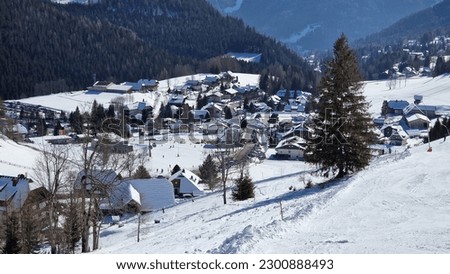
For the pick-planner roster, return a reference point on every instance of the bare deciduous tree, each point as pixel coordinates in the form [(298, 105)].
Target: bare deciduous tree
[(228, 162), (52, 172)]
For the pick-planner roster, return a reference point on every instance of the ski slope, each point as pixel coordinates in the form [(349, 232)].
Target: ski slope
[(435, 91)]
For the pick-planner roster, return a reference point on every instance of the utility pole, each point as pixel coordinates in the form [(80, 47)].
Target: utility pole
[(222, 156), (139, 227)]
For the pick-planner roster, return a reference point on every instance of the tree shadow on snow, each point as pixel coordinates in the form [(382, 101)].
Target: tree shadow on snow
[(292, 195)]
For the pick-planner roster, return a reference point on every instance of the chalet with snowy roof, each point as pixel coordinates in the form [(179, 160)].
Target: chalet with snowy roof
[(291, 148), (215, 110), (143, 85), (292, 93), (214, 128), (230, 93), (193, 85), (427, 110), (139, 195), (124, 198), (100, 86), (186, 183), (245, 89), (299, 130), (418, 121), (211, 80), (14, 192), (395, 134), (229, 77), (214, 96), (104, 86), (199, 115), (177, 100), (396, 107), (98, 181), (155, 194)]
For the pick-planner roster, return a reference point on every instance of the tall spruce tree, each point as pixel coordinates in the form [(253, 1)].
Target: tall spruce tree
[(208, 172), (141, 173), (342, 125)]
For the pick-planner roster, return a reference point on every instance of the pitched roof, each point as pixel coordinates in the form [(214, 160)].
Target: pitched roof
[(192, 178), (292, 142), (121, 196), (13, 191), (106, 177), (397, 104), (155, 194), (417, 116), (421, 108)]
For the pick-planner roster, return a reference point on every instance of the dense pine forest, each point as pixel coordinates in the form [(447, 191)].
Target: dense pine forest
[(48, 48)]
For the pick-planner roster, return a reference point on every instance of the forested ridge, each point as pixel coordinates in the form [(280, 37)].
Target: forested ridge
[(49, 47)]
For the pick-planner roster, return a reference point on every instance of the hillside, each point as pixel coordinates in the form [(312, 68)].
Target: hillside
[(395, 206), (186, 28), (399, 204), (435, 91), (50, 47), (45, 49), (20, 160), (312, 25), (435, 20)]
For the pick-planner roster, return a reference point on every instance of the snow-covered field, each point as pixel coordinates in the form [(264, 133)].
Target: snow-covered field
[(68, 101)]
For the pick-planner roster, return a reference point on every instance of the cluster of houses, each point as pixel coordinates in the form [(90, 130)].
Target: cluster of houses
[(403, 120), (117, 195)]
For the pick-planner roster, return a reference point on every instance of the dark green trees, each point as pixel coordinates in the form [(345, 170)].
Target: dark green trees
[(342, 125), (141, 173), (208, 172), (12, 234), (244, 190)]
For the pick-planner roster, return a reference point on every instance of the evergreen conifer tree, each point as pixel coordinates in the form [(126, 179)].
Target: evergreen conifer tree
[(227, 111), (342, 126), (175, 169), (76, 121), (384, 108), (12, 230), (208, 172), (72, 226), (141, 173), (244, 190)]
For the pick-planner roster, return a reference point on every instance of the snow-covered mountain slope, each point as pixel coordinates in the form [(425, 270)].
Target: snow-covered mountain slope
[(400, 204), (68, 101), (16, 159), (311, 25), (435, 91)]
